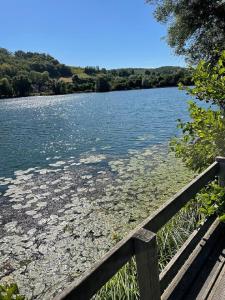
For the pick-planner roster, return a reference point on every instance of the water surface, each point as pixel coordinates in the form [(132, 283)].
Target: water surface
[(34, 130), (77, 173)]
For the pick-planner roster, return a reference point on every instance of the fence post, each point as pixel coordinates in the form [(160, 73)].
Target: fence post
[(145, 248), (221, 161)]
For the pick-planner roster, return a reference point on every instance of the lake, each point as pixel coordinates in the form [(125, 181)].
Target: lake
[(34, 130), (77, 173)]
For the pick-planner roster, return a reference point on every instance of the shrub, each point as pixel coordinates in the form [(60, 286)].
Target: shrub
[(10, 292)]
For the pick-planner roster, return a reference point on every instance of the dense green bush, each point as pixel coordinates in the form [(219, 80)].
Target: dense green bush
[(202, 138), (204, 135), (102, 84), (212, 200), (5, 87), (10, 292)]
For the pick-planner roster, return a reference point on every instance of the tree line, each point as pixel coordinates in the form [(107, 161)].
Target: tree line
[(30, 73)]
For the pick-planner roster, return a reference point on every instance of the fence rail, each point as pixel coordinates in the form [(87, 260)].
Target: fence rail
[(141, 243)]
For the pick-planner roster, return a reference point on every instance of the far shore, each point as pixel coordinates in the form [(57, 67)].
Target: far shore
[(88, 92)]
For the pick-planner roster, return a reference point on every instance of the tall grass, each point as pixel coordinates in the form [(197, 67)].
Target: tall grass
[(170, 238)]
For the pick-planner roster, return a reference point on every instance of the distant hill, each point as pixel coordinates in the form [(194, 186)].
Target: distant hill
[(30, 73)]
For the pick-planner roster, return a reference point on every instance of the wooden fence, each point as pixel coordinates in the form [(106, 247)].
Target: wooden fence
[(141, 243)]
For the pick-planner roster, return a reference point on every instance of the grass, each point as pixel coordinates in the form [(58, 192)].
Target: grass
[(170, 238)]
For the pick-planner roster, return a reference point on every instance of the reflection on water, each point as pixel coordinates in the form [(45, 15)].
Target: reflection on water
[(36, 129)]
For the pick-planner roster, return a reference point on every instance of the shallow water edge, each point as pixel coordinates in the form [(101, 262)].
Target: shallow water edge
[(56, 222)]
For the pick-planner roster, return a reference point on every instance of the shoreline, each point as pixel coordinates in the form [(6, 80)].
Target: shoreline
[(87, 92)]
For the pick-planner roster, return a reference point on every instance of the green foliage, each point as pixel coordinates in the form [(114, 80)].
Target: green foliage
[(5, 87), (119, 84), (91, 70), (202, 138), (204, 135), (212, 200), (146, 82), (102, 84), (27, 73), (59, 87), (10, 292), (21, 85), (195, 28), (209, 82)]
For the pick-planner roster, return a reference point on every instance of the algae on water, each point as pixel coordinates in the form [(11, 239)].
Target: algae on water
[(56, 222)]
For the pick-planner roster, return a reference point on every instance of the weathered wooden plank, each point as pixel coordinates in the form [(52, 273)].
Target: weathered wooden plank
[(218, 291), (203, 283), (172, 206), (147, 265), (101, 272), (221, 161), (217, 260), (172, 268), (182, 282)]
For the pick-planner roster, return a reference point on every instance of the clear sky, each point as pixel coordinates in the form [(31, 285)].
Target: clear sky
[(105, 33)]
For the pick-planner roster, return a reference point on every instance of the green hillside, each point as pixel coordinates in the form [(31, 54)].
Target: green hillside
[(30, 73)]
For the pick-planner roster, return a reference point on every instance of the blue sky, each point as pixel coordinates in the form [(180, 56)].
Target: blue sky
[(105, 33)]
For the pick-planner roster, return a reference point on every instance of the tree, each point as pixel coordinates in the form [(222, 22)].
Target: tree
[(135, 81), (39, 73), (102, 84), (45, 76), (21, 85), (91, 70), (20, 54), (64, 70), (59, 87), (120, 84), (196, 28), (204, 135), (209, 79), (7, 70), (104, 71), (123, 73), (5, 88), (39, 80)]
